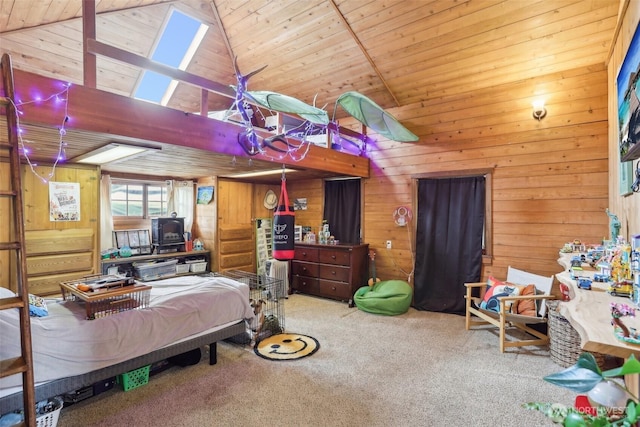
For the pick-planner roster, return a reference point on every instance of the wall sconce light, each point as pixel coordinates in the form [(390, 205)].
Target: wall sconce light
[(539, 112)]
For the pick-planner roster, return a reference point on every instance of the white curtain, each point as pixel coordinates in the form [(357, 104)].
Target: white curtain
[(182, 200), (106, 219)]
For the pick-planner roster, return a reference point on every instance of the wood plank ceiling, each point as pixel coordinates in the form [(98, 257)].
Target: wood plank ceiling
[(397, 52)]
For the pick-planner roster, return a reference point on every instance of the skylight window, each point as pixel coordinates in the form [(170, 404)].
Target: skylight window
[(175, 48)]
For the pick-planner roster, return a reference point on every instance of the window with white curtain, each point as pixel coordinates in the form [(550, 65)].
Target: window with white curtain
[(139, 199)]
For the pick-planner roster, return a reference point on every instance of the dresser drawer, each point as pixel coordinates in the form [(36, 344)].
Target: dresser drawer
[(334, 272), (299, 268), (306, 254), (335, 256), (307, 285), (337, 290)]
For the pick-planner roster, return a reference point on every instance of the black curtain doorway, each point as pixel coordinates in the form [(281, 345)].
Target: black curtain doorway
[(449, 233), (342, 209)]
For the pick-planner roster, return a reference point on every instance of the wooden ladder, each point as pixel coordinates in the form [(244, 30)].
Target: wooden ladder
[(15, 247)]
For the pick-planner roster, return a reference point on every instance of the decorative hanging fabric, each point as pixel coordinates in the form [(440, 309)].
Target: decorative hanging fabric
[(283, 226)]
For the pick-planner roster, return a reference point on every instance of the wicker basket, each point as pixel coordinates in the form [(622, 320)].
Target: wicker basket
[(564, 340)]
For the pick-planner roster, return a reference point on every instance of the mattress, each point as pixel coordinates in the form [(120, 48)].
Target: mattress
[(65, 344)]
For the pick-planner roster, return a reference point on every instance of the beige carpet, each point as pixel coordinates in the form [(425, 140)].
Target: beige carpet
[(416, 369)]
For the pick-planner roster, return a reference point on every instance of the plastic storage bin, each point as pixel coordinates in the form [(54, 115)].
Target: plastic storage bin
[(182, 268), (155, 270), (198, 267), (133, 379)]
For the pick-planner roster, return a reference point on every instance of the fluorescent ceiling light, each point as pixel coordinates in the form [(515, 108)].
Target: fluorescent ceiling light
[(111, 153), (261, 173)]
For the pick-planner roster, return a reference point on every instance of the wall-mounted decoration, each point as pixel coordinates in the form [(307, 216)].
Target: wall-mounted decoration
[(629, 112), (64, 201), (300, 204), (205, 195)]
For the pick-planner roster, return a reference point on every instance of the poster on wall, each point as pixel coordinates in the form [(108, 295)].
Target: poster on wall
[(205, 195), (629, 112), (64, 201)]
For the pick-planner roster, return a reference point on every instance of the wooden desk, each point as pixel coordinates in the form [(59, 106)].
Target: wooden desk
[(589, 313)]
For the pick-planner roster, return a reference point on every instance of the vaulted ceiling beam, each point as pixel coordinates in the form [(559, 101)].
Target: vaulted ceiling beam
[(89, 61), (363, 50), (99, 48)]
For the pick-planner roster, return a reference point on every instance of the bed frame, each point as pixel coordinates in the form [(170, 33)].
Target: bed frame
[(62, 386)]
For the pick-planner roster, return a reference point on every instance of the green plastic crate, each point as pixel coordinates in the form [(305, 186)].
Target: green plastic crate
[(133, 379)]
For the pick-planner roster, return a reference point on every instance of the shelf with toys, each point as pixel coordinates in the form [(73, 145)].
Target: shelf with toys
[(612, 270)]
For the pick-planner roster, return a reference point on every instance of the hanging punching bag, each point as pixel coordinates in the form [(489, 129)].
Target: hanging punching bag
[(283, 226)]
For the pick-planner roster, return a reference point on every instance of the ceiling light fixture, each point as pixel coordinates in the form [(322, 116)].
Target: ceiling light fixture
[(261, 173), (538, 110), (112, 152)]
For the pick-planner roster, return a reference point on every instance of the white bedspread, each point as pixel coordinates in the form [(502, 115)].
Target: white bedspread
[(66, 344)]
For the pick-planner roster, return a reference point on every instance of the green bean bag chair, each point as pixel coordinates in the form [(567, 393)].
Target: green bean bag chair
[(389, 297)]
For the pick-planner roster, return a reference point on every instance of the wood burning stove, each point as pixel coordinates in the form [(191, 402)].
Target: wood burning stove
[(167, 234)]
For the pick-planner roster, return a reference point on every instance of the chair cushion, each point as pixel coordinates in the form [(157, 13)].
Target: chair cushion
[(526, 307), (497, 288), (389, 297)]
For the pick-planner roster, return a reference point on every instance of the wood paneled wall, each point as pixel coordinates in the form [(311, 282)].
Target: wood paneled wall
[(626, 207), (235, 243), (204, 220), (58, 251), (550, 180), (313, 191)]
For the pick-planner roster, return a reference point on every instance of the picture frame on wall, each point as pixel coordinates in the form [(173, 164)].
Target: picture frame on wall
[(628, 91)]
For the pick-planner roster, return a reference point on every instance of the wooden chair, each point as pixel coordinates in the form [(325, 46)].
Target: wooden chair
[(504, 318)]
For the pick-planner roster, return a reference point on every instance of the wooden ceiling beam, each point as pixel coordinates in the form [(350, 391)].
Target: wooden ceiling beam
[(89, 61), (98, 48), (93, 110)]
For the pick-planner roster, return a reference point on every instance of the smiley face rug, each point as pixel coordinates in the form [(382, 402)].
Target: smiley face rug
[(286, 347)]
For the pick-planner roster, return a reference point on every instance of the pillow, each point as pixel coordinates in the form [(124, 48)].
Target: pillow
[(37, 306), (526, 307), (495, 289), (6, 293)]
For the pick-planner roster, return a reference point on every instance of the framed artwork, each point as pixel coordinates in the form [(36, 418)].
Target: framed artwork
[(628, 92), (205, 195)]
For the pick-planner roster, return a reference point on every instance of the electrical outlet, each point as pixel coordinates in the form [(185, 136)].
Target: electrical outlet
[(388, 244)]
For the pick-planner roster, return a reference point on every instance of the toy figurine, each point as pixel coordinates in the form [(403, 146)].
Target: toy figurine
[(614, 225)]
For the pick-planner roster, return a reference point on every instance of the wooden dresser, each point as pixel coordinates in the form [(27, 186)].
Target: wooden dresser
[(331, 271)]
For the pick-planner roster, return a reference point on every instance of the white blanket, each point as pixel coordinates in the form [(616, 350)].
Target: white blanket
[(66, 344)]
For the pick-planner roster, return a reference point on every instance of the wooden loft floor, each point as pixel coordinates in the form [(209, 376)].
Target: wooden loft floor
[(204, 146)]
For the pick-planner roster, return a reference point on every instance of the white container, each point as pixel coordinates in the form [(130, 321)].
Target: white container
[(182, 268), (198, 267)]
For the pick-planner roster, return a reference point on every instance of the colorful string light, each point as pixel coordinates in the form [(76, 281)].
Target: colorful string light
[(62, 96)]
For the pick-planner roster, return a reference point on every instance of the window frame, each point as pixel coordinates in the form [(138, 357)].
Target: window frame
[(146, 184)]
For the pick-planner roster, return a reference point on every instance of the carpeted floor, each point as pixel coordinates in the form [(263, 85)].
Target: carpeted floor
[(416, 369)]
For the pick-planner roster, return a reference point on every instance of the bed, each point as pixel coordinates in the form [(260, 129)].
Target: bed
[(70, 352)]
